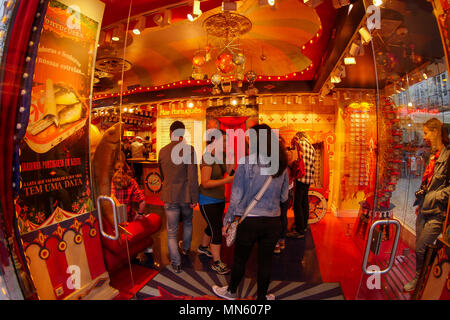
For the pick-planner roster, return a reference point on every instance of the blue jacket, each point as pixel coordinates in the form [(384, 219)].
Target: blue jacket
[(247, 183)]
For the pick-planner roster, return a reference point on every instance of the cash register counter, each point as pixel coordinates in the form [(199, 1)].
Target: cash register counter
[(152, 187)]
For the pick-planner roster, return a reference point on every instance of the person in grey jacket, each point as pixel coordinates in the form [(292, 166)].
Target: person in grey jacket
[(432, 197), (178, 169), (262, 225)]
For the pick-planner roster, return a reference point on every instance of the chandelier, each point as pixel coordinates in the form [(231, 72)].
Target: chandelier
[(223, 32)]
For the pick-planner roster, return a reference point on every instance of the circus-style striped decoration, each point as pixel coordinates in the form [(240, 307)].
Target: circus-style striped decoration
[(192, 284)]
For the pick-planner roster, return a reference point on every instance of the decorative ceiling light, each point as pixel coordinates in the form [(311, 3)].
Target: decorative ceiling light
[(196, 11), (190, 104), (224, 29), (349, 60), (140, 25), (271, 2), (234, 102), (377, 3)]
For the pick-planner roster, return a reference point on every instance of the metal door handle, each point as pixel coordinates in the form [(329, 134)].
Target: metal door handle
[(116, 228), (394, 249)]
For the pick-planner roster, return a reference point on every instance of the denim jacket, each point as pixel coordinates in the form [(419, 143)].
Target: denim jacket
[(247, 183)]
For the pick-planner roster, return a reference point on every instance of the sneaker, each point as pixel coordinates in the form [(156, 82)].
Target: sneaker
[(183, 252), (176, 268), (270, 296), (295, 235), (204, 250), (282, 244), (277, 248), (410, 286), (220, 268), (224, 293)]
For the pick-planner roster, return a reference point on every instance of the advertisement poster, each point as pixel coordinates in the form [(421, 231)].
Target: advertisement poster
[(54, 155)]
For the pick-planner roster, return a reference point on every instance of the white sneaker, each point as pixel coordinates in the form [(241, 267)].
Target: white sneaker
[(270, 296), (224, 293)]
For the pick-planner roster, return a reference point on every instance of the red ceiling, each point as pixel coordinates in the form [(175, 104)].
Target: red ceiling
[(118, 10)]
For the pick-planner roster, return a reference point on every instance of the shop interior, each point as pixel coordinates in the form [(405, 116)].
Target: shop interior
[(359, 77)]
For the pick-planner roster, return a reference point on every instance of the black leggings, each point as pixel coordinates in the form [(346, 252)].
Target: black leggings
[(265, 232), (213, 214)]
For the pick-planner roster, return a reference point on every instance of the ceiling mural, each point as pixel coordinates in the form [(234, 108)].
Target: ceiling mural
[(285, 41)]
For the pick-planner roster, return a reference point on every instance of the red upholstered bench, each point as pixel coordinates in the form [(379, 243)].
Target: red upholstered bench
[(115, 251)]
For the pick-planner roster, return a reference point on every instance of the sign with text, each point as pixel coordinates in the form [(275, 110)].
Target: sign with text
[(181, 110), (54, 155)]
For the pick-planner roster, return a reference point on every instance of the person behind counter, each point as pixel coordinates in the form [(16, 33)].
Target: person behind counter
[(179, 191), (212, 198), (432, 197), (137, 151), (147, 147)]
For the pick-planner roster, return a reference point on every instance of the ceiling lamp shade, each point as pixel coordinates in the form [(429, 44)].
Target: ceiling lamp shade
[(229, 6), (116, 33), (140, 25), (335, 79), (196, 11), (366, 37)]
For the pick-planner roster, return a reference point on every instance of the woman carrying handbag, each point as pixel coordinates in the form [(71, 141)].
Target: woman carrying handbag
[(255, 201)]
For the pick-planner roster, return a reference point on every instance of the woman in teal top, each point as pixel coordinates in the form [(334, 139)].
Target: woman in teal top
[(212, 198)]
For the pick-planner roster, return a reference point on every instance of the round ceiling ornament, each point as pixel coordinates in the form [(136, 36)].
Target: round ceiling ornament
[(227, 25), (225, 63), (239, 58), (112, 64)]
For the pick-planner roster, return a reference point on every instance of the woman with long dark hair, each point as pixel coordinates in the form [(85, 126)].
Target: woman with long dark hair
[(262, 225)]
